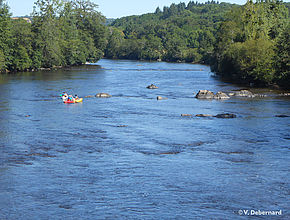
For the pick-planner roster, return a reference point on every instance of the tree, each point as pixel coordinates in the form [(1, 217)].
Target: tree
[(115, 40), (282, 58), (5, 36), (90, 22), (22, 46), (47, 33), (153, 48)]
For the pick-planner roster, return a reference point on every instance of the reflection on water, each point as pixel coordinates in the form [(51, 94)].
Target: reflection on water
[(133, 157)]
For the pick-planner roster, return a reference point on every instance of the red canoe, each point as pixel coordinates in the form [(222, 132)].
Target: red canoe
[(69, 101)]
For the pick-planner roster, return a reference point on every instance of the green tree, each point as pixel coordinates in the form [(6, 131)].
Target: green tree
[(5, 35), (115, 40), (2, 60), (282, 58), (47, 32), (21, 46), (153, 48), (90, 22)]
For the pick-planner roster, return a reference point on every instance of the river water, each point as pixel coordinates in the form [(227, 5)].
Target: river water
[(133, 157)]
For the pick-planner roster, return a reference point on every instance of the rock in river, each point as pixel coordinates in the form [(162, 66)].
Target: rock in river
[(103, 95), (152, 86), (221, 95), (227, 115), (186, 115), (204, 94), (242, 93), (203, 115), (161, 98)]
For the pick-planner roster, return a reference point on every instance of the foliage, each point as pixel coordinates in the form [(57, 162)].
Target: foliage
[(62, 33), (177, 33), (5, 35), (246, 47), (282, 58)]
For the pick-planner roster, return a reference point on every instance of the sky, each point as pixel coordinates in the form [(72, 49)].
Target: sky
[(110, 8)]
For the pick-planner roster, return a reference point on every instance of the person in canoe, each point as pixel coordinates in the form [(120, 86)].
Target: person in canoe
[(70, 98), (64, 96)]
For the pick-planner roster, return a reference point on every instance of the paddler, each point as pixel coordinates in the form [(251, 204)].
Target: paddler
[(64, 96)]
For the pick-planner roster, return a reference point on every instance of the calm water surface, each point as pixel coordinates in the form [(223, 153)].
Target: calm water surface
[(133, 157)]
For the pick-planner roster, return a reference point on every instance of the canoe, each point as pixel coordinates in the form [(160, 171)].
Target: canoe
[(78, 100), (73, 101), (69, 101)]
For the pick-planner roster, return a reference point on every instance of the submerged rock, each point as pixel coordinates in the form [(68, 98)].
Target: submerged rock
[(226, 115), (89, 96), (221, 95), (161, 98), (152, 86), (204, 94), (186, 115), (103, 95), (282, 116), (65, 206)]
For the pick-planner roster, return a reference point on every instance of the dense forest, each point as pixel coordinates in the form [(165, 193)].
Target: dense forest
[(182, 33), (61, 33), (253, 44), (248, 44)]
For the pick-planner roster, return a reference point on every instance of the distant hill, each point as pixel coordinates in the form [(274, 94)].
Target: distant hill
[(179, 32)]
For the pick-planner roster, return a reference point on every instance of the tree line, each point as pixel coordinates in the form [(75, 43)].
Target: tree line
[(248, 43)]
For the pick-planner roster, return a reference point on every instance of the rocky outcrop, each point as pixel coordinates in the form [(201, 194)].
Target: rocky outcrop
[(221, 95), (161, 98), (204, 94), (242, 93), (152, 86), (103, 95), (226, 115), (203, 115)]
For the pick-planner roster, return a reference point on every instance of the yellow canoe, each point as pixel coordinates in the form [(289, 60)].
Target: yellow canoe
[(78, 100)]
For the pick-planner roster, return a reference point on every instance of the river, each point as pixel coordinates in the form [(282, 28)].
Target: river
[(133, 157)]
